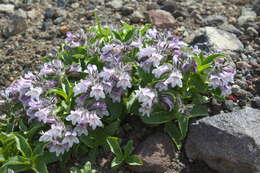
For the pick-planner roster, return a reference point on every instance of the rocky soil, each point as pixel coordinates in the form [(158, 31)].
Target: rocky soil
[(31, 29)]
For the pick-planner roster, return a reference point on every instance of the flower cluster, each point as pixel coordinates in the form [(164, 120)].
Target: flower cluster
[(222, 77), (150, 66)]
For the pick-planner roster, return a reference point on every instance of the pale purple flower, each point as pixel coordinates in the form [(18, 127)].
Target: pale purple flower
[(146, 96), (81, 87), (75, 116), (225, 90), (145, 110), (80, 101), (91, 70), (73, 40), (107, 73), (94, 121), (146, 65), (175, 79), (108, 86), (176, 44), (157, 72), (166, 102), (124, 81), (34, 92), (161, 86), (151, 33), (97, 91), (146, 52), (155, 59), (136, 44), (215, 81), (116, 94), (74, 70), (81, 129), (70, 139), (52, 134), (99, 107), (45, 115), (58, 148)]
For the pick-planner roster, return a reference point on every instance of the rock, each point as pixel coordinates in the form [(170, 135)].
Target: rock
[(256, 7), (217, 39), (116, 4), (7, 8), (256, 102), (157, 152), (75, 5), (247, 15), (230, 28), (20, 12), (137, 17), (169, 6), (228, 142), (15, 26), (61, 3), (252, 32), (50, 13), (214, 20), (243, 65), (125, 11), (257, 85), (161, 18)]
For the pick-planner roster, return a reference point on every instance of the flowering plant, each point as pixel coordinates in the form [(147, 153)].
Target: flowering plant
[(98, 78)]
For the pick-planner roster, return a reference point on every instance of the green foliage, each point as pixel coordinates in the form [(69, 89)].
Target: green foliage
[(17, 154), (86, 169), (122, 155)]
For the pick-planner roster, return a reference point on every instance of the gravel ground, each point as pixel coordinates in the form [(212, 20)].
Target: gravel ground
[(29, 29)]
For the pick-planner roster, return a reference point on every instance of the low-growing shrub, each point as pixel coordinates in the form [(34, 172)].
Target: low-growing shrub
[(84, 92)]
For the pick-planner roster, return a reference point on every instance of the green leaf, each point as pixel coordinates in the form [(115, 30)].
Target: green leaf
[(129, 35), (22, 126), (134, 160), (2, 158), (23, 146), (144, 29), (199, 111), (59, 92), (128, 148), (158, 118), (211, 58), (131, 101), (39, 149), (174, 133), (17, 160), (3, 169), (39, 166), (183, 125), (98, 137), (49, 157), (114, 145), (117, 35), (116, 162)]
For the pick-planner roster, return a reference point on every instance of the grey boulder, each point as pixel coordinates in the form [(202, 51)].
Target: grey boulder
[(213, 38), (228, 142)]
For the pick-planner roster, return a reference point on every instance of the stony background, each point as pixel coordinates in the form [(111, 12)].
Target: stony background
[(29, 29)]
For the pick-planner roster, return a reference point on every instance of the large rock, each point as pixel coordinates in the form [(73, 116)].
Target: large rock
[(257, 7), (217, 39), (247, 15), (157, 152), (7, 8), (161, 18), (15, 25), (228, 143), (214, 20)]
